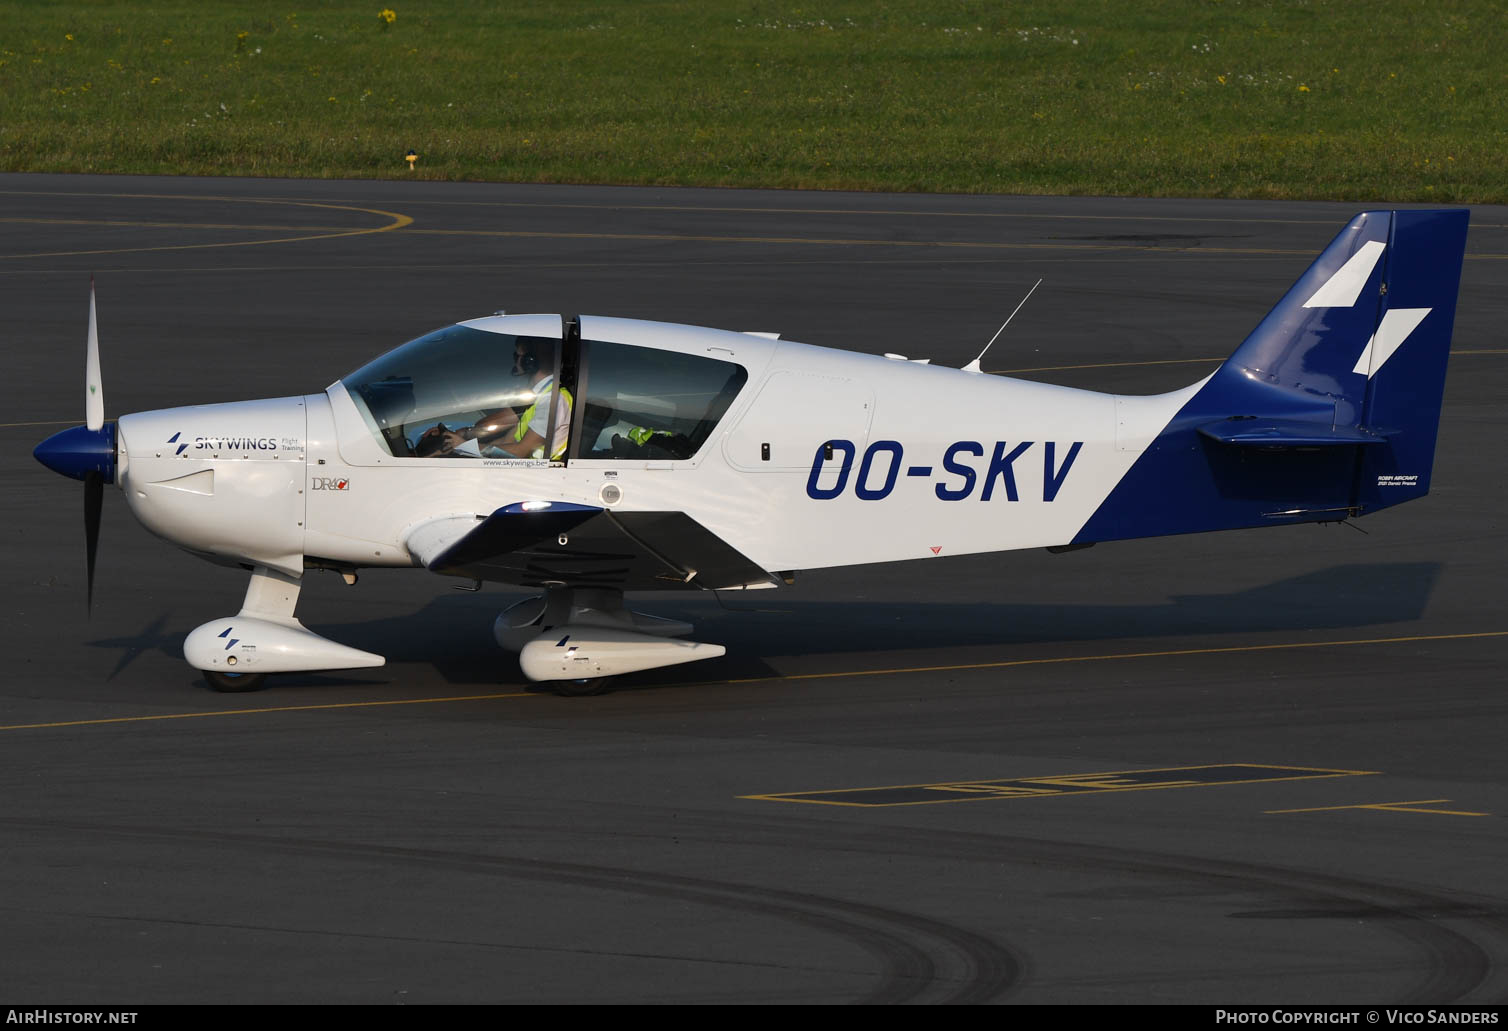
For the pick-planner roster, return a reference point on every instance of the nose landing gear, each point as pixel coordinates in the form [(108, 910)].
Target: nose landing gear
[(237, 652), (234, 683)]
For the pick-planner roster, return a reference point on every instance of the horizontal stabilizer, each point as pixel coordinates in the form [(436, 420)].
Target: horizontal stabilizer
[(1285, 433)]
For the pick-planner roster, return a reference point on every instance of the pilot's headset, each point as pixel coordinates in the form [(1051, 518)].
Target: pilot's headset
[(527, 363)]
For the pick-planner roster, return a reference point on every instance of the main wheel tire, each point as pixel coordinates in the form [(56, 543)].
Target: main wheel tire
[(234, 683), (581, 688)]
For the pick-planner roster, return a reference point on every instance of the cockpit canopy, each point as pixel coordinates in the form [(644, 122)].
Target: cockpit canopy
[(471, 392)]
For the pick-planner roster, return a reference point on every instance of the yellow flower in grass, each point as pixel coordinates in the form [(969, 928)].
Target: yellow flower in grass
[(387, 16)]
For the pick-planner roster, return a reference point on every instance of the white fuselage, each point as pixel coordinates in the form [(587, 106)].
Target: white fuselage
[(925, 461)]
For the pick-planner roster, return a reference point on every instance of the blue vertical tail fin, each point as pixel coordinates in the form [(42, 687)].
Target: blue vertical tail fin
[(1329, 408)]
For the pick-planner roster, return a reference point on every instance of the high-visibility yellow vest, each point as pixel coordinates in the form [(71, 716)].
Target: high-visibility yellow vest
[(528, 417), (641, 435)]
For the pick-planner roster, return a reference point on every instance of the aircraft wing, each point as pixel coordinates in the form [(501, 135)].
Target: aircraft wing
[(539, 544)]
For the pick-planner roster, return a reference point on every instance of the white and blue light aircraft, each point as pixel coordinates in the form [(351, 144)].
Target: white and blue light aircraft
[(585, 457)]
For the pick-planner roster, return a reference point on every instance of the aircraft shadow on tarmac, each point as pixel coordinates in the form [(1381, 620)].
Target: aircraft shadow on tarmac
[(1338, 598), (452, 633)]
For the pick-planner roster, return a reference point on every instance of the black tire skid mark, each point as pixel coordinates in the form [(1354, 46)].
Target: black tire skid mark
[(1457, 965), (905, 945)]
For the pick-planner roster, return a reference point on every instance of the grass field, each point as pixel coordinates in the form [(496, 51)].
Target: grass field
[(1348, 99)]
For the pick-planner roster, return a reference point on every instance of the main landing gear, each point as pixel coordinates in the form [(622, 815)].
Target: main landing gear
[(576, 639)]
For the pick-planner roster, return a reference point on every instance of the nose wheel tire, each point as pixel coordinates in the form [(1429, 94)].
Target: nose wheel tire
[(581, 688), (234, 683)]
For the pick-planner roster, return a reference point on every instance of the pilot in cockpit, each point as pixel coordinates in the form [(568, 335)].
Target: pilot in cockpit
[(505, 433)]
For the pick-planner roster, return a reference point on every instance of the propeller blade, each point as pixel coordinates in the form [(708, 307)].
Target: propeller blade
[(94, 497), (94, 391)]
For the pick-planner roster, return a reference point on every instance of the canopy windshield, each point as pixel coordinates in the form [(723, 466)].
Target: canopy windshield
[(450, 382), (463, 392)]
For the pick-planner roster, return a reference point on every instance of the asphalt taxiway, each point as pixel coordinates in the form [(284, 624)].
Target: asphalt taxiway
[(1259, 766)]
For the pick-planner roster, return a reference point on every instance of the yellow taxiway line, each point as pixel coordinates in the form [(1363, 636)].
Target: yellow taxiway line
[(1287, 646), (1392, 807), (405, 221), (267, 709), (1056, 660), (398, 222)]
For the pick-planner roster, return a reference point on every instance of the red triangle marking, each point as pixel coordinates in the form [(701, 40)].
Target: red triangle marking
[(937, 549)]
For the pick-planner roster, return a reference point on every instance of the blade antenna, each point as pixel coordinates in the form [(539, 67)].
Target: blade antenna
[(974, 365)]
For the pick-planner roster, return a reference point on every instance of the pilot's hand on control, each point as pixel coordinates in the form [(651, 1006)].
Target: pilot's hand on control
[(453, 440), (495, 425)]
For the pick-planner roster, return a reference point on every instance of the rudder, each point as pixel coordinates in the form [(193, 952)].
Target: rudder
[(1404, 361)]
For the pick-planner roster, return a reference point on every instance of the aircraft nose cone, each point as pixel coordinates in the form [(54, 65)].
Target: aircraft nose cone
[(78, 451)]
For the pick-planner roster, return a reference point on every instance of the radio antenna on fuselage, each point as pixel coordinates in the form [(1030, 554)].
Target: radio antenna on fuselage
[(974, 365)]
